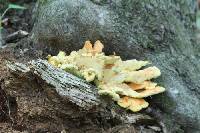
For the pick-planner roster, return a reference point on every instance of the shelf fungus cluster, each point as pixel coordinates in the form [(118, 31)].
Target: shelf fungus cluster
[(124, 81)]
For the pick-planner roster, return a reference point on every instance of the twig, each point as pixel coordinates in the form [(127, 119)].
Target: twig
[(16, 35)]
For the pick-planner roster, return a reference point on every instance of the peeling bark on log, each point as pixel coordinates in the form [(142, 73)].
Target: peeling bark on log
[(75, 89), (71, 87), (70, 100)]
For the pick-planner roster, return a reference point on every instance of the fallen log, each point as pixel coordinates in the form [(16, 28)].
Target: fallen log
[(67, 98)]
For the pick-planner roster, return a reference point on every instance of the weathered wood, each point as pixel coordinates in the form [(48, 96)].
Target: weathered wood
[(74, 89)]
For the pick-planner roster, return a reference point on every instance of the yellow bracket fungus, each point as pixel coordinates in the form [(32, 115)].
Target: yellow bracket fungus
[(125, 90), (133, 104), (124, 81), (129, 65)]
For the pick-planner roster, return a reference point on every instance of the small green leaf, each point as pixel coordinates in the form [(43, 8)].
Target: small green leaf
[(13, 6)]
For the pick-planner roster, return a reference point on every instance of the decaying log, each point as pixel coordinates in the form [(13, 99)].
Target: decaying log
[(75, 89), (75, 98), (71, 87)]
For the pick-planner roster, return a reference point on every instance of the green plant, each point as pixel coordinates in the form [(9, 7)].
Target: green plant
[(10, 6)]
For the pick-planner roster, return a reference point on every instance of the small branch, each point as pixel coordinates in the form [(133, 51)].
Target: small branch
[(16, 35)]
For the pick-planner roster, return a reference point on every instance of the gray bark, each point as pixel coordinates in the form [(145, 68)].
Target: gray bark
[(76, 90)]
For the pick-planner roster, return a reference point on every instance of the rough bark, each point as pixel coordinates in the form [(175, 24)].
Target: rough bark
[(44, 103), (73, 88)]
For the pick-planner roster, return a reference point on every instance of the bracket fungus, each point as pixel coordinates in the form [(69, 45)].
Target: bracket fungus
[(125, 81), (134, 104)]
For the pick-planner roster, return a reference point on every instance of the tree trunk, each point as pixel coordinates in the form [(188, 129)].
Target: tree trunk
[(159, 31)]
